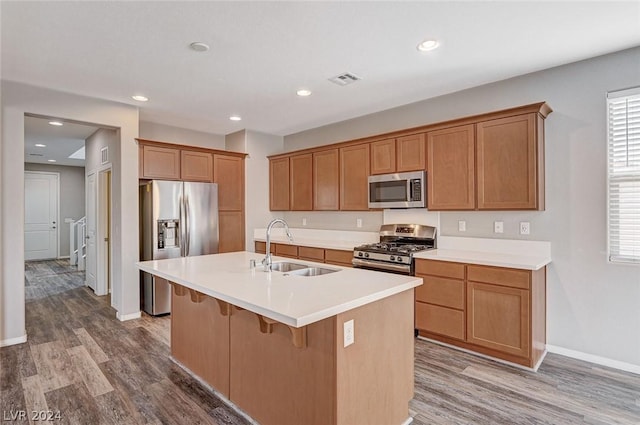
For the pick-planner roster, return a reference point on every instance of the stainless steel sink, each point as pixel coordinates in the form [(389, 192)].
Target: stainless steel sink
[(285, 266), (313, 271)]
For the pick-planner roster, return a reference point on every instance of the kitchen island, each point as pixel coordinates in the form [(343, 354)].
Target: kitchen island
[(277, 344)]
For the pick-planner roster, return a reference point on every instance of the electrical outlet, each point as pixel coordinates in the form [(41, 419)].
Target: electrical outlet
[(462, 226), (498, 227), (349, 334), (358, 222), (524, 227), (304, 221)]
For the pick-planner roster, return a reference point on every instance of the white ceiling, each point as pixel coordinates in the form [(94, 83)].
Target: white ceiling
[(262, 52), (60, 141)]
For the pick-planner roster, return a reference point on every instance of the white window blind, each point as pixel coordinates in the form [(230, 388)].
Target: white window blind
[(624, 175)]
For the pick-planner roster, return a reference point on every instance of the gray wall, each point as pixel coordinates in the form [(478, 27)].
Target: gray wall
[(181, 136), (71, 197), (101, 138), (593, 306)]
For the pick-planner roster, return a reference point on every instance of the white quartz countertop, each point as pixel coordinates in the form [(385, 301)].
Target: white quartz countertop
[(515, 261), (293, 300)]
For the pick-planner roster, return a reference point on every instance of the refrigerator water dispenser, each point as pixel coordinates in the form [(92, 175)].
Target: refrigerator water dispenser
[(168, 231)]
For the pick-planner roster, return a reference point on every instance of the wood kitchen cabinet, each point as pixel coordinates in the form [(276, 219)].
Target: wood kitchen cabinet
[(496, 311), (383, 156), (301, 180), (510, 161), (326, 180), (406, 153), (451, 164), (410, 153), (354, 178), (279, 184), (228, 172), (230, 231), (196, 166), (160, 163), (319, 255)]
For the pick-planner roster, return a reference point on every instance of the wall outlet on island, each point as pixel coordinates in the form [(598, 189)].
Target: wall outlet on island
[(349, 337), (498, 227), (358, 222)]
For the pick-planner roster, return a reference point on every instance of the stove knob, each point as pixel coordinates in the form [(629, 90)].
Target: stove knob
[(400, 259), (392, 258), (360, 254), (366, 255)]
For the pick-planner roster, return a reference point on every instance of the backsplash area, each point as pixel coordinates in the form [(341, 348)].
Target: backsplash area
[(333, 220)]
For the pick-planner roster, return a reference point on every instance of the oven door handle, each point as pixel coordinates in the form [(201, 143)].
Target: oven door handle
[(403, 268)]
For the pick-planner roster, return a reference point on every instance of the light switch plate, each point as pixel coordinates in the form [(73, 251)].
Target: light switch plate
[(462, 226), (304, 221), (358, 222), (525, 228), (349, 337), (498, 227)]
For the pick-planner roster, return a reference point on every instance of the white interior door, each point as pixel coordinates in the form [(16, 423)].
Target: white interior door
[(91, 259), (40, 215)]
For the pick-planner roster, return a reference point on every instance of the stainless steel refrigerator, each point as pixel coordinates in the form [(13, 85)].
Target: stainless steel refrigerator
[(177, 219)]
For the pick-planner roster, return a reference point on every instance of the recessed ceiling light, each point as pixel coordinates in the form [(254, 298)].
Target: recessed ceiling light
[(56, 123), (40, 145), (51, 160), (303, 92), (140, 98), (235, 118), (199, 46), (427, 45)]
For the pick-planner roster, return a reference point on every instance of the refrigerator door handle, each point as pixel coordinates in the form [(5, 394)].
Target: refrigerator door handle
[(182, 222), (187, 227)]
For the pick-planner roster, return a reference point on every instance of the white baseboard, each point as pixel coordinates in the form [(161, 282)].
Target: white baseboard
[(13, 341), (131, 316), (603, 361), (63, 257)]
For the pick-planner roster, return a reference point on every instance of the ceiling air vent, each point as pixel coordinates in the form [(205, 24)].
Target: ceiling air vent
[(345, 79)]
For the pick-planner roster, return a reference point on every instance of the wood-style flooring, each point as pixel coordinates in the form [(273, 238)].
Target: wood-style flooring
[(82, 362)]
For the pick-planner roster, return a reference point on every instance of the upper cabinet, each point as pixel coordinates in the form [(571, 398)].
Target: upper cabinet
[(326, 180), (451, 163), (410, 153), (406, 153), (510, 160), (196, 166), (383, 156), (354, 177), (301, 182), (228, 172), (160, 163), (493, 161), (279, 184)]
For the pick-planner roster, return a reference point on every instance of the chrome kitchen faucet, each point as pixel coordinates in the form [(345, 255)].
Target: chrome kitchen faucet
[(267, 259)]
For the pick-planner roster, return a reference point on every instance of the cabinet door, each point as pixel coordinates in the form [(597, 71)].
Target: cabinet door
[(231, 231), (383, 156), (228, 172), (196, 166), (279, 184), (301, 182), (338, 257), (451, 178), (326, 181), (507, 163), (160, 163), (498, 317), (410, 153), (354, 178)]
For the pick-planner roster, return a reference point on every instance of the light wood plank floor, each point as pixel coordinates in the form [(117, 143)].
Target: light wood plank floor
[(94, 369)]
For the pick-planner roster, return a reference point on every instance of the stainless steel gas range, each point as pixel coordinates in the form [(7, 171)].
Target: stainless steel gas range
[(394, 253)]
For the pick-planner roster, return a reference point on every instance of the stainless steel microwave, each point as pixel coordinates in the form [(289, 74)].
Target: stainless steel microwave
[(399, 190)]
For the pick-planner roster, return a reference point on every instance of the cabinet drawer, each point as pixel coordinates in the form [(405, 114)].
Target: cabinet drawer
[(500, 276), (440, 320), (441, 291), (287, 250), (440, 268), (337, 256), (310, 253), (261, 247)]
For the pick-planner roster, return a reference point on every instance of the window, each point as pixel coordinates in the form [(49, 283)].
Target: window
[(623, 176)]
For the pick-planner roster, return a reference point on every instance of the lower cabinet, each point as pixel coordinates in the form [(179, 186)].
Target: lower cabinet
[(231, 231), (337, 257), (500, 312)]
